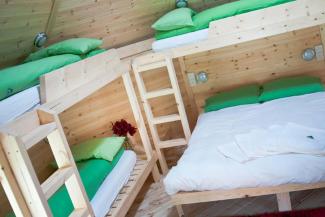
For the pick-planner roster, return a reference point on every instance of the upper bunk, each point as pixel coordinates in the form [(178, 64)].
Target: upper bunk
[(263, 23)]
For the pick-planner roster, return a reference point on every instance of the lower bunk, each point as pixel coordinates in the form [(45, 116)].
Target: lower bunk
[(110, 186)]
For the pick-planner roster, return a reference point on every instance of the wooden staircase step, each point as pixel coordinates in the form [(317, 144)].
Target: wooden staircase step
[(166, 119), (36, 135), (172, 143), (158, 93), (56, 180), (79, 213)]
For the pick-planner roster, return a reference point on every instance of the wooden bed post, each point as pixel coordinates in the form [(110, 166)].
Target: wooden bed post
[(11, 188), (284, 203)]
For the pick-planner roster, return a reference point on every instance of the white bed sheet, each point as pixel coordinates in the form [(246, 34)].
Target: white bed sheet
[(179, 40), (18, 104), (203, 167), (114, 182)]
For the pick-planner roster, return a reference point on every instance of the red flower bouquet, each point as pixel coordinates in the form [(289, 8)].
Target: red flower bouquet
[(122, 128), (125, 129)]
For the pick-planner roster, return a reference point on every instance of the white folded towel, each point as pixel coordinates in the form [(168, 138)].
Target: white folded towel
[(290, 138)]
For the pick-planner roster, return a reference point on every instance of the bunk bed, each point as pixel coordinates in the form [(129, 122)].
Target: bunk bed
[(60, 90), (233, 30)]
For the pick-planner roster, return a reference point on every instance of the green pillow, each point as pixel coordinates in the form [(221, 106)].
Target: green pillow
[(100, 148), (291, 86), (243, 95), (175, 19), (21, 77), (40, 54), (77, 46), (95, 52)]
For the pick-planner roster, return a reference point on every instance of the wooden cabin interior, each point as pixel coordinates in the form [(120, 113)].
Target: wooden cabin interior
[(86, 98)]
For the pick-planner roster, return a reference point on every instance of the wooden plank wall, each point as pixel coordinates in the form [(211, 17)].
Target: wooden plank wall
[(117, 22), (229, 67)]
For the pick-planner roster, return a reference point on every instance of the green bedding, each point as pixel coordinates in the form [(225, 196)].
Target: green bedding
[(18, 78), (203, 19), (92, 172)]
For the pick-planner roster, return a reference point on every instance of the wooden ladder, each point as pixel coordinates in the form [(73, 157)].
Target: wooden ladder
[(154, 121), (22, 135)]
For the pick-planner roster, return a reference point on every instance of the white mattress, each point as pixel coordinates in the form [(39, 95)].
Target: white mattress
[(203, 167), (179, 40), (18, 104), (113, 183)]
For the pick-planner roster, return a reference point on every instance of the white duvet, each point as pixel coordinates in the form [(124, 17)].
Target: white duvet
[(205, 165)]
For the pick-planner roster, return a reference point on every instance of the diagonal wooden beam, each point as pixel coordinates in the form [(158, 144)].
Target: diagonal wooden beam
[(52, 17)]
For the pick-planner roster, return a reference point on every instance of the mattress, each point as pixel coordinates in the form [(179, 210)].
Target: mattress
[(114, 182), (202, 166), (16, 105), (179, 40)]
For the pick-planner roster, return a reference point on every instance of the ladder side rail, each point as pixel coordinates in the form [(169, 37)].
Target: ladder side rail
[(25, 175), (178, 97), (139, 121), (148, 112)]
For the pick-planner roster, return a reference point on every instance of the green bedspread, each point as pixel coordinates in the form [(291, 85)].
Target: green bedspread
[(203, 19)]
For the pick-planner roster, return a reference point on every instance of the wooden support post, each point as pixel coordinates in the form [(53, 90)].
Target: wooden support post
[(180, 211), (189, 92), (11, 188), (322, 35), (284, 203)]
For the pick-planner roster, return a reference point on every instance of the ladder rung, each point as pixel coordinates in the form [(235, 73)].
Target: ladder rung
[(150, 66), (157, 93), (166, 119), (172, 143), (79, 213), (56, 180), (35, 136)]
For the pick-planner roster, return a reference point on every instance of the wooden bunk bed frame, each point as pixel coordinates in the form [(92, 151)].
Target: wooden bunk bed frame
[(246, 27), (59, 91)]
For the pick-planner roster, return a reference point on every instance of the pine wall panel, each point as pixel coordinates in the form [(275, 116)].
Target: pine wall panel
[(117, 22)]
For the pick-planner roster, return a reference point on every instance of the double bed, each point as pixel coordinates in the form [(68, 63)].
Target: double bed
[(205, 170)]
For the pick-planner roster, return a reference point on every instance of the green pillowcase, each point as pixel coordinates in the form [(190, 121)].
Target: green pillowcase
[(291, 86), (76, 46), (248, 94), (40, 54), (100, 148), (21, 77), (95, 52), (175, 19)]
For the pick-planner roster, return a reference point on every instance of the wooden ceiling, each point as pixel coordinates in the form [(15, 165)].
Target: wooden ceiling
[(117, 22)]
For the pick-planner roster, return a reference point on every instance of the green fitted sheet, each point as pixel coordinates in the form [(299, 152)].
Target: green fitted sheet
[(93, 173), (203, 19)]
